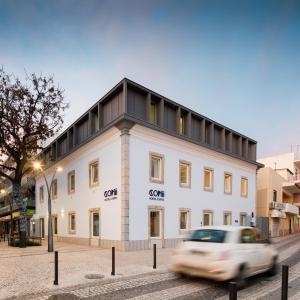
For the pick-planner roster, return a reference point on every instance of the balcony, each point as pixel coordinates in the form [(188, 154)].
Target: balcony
[(291, 209), (292, 185), (278, 209)]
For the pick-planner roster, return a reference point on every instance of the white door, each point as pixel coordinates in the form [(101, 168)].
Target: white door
[(156, 227), (95, 228)]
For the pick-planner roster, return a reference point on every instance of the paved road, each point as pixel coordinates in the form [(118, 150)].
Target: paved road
[(166, 285)]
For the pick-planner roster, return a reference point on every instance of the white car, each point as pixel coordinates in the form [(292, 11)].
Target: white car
[(224, 253)]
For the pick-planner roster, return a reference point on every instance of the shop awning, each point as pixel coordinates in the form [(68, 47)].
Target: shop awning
[(275, 213)]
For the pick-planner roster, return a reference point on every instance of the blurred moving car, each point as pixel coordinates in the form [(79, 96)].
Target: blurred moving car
[(224, 253)]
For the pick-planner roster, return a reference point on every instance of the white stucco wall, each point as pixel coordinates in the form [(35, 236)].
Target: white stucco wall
[(143, 141), (106, 148)]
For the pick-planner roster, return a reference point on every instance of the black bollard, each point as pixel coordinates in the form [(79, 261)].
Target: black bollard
[(113, 261), (55, 268), (232, 290), (154, 256), (285, 282)]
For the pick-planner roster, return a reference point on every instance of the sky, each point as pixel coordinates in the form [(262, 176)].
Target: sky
[(236, 62)]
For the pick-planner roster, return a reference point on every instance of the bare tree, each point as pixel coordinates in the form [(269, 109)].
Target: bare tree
[(30, 113)]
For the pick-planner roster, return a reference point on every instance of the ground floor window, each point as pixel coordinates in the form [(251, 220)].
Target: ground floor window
[(227, 218), (243, 219), (207, 218), (95, 224), (54, 224), (184, 219), (42, 220), (155, 223), (72, 222)]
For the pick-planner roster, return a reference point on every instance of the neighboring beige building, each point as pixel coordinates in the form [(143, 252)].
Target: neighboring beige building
[(278, 193)]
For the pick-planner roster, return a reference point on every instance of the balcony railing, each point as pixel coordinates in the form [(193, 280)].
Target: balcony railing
[(294, 178)]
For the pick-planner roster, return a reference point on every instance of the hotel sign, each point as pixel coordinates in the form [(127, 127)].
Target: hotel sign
[(111, 194), (157, 195)]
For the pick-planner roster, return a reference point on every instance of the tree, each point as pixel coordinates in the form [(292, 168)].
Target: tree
[(30, 113)]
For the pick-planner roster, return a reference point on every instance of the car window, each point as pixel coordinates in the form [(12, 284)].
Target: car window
[(248, 236), (208, 235), (259, 237), (253, 235)]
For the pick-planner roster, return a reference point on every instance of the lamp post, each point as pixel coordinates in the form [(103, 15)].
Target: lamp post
[(37, 166)]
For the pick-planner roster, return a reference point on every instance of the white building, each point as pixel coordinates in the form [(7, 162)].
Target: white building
[(140, 169)]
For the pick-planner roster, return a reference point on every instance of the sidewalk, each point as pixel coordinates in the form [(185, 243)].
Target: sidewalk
[(31, 269)]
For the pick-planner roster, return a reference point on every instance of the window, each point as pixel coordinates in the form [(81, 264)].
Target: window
[(54, 224), (248, 236), (71, 182), (42, 193), (209, 236), (227, 218), (208, 179), (184, 219), (207, 218), (72, 222), (184, 174), (153, 113), (227, 183), (181, 125), (154, 224), (156, 168), (94, 173), (244, 187), (243, 219), (54, 189), (95, 224), (274, 195)]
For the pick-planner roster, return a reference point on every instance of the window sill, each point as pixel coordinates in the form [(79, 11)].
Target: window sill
[(187, 186), (153, 180)]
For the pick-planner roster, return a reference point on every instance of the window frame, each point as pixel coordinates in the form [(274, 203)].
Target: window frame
[(70, 174), (211, 188), (54, 183), (188, 222), (243, 178), (161, 157), (227, 213), (159, 212), (231, 179), (274, 195), (241, 215), (91, 164), (211, 213), (41, 193), (54, 225), (70, 214), (189, 173)]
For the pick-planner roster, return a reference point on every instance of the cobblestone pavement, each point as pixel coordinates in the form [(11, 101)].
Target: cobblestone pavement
[(162, 284)]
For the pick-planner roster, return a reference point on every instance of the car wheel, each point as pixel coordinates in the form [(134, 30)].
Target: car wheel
[(241, 277), (274, 267)]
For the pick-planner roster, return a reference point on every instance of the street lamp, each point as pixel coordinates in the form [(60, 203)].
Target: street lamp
[(38, 167)]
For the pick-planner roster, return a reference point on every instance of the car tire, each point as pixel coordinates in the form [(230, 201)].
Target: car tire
[(241, 277), (274, 267)]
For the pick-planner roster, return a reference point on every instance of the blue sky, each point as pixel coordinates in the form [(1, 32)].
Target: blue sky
[(237, 62)]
